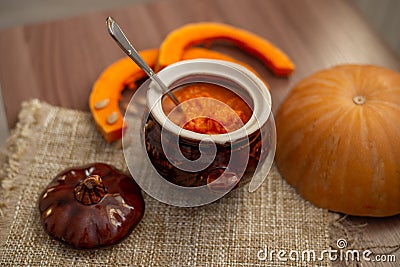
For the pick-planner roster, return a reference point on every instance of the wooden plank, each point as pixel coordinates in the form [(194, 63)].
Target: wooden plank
[(3, 123), (59, 61)]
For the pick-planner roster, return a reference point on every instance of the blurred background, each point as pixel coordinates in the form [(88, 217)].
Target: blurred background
[(383, 15)]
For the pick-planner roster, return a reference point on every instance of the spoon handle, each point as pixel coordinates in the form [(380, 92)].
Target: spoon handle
[(118, 35)]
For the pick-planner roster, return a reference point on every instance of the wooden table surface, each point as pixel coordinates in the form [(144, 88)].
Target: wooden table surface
[(58, 61)]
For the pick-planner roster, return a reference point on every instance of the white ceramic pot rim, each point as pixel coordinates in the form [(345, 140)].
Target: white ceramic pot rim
[(255, 88)]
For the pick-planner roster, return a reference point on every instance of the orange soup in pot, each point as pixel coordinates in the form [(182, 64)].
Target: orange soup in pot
[(207, 109)]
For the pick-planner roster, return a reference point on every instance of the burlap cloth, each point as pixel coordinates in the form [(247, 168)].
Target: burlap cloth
[(229, 232)]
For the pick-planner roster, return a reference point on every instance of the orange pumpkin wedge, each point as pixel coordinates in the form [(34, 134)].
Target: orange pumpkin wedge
[(106, 93), (107, 89), (179, 40)]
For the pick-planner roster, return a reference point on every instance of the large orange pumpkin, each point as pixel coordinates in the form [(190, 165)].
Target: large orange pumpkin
[(339, 140)]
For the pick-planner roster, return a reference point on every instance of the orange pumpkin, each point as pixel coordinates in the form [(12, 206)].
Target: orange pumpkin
[(339, 140), (180, 39)]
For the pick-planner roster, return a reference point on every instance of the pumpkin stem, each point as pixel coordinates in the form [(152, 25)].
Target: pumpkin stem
[(359, 99), (90, 190)]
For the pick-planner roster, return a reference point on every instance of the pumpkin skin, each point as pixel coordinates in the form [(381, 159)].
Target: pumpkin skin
[(180, 39), (339, 139)]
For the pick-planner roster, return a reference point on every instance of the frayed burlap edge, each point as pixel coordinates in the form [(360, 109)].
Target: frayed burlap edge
[(16, 154), (354, 232)]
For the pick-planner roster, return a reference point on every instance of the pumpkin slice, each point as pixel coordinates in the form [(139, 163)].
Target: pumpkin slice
[(339, 137), (197, 52), (106, 93), (107, 90), (174, 45)]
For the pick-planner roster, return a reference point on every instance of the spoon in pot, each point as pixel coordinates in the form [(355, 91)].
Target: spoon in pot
[(119, 37)]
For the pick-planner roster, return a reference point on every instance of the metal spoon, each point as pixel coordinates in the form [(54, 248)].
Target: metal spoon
[(120, 38)]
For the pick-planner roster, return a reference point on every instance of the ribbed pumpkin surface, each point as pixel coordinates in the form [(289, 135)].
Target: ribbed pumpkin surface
[(339, 140)]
